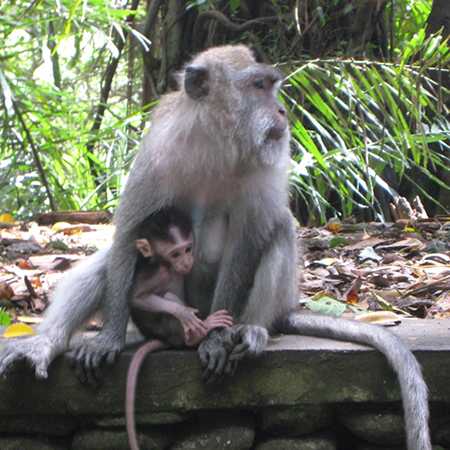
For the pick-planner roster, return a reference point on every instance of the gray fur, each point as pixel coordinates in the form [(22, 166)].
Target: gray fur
[(213, 154), (413, 387)]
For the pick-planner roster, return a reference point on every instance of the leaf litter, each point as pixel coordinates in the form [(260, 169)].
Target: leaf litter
[(374, 272), (377, 272)]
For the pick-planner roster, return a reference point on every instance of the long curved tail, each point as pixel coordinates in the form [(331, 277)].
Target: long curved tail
[(132, 377), (413, 388)]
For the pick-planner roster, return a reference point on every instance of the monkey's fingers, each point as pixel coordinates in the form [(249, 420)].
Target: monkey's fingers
[(219, 323), (239, 351), (221, 313), (216, 366), (231, 366), (7, 360), (197, 324)]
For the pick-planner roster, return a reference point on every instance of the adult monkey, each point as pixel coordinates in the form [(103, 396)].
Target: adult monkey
[(219, 148)]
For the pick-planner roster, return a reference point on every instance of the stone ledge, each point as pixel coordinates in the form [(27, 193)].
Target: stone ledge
[(293, 370)]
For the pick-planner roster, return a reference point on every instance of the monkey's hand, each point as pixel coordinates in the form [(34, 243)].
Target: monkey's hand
[(191, 324), (249, 340), (213, 353), (219, 319), (39, 351), (88, 356)]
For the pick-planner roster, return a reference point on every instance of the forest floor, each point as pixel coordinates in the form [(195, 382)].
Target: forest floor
[(382, 273)]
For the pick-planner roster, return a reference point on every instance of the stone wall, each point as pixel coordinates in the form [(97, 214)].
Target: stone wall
[(303, 393)]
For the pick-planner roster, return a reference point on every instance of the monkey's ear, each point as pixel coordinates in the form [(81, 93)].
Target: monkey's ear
[(196, 81), (144, 247)]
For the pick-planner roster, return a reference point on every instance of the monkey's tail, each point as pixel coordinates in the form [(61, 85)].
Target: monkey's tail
[(413, 388), (132, 377)]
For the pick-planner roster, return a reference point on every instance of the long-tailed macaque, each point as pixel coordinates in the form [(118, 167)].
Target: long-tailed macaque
[(218, 148), (156, 306)]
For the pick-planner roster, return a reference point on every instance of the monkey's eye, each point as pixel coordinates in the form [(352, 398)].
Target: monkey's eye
[(189, 249), (176, 255), (259, 83)]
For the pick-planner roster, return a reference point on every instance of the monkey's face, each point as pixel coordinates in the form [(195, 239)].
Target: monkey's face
[(241, 96), (267, 125), (177, 252)]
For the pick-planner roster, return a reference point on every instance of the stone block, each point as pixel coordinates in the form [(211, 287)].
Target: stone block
[(34, 424), (376, 424), (296, 420), (212, 430), (303, 443), (28, 443), (118, 440)]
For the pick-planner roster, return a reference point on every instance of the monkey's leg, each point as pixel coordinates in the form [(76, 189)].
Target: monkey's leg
[(132, 379), (413, 388), (270, 293), (76, 297)]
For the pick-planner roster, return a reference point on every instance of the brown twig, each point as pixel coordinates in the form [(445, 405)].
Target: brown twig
[(30, 287), (119, 41), (228, 24), (36, 157)]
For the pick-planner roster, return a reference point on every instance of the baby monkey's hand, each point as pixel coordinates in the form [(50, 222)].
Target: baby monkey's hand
[(218, 319)]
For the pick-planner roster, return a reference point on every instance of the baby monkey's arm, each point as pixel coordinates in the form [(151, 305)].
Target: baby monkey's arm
[(171, 304)]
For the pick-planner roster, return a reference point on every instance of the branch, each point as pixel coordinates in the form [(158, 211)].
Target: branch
[(51, 44), (36, 157), (119, 42), (228, 24)]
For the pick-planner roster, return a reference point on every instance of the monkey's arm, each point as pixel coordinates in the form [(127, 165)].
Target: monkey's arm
[(74, 300), (172, 305), (146, 191)]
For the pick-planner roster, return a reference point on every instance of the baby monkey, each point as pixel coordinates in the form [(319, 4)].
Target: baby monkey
[(165, 257)]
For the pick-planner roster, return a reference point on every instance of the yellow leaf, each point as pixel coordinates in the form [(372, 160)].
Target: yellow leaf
[(334, 226), (60, 226), (18, 329), (6, 218)]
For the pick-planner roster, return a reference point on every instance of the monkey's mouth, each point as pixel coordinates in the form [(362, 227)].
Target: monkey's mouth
[(276, 133)]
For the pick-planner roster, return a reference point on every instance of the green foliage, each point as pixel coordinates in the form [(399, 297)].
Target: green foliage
[(407, 17), (57, 118), (5, 318), (353, 120)]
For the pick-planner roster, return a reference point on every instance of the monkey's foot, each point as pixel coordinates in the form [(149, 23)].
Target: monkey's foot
[(88, 356), (213, 353), (39, 351), (221, 351)]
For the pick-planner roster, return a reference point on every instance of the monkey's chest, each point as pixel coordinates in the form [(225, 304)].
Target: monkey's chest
[(210, 235)]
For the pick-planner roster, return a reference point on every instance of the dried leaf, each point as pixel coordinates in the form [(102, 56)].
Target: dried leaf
[(334, 227), (18, 329), (410, 244), (29, 319), (36, 282), (6, 291), (24, 264), (352, 296), (369, 254), (386, 318)]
